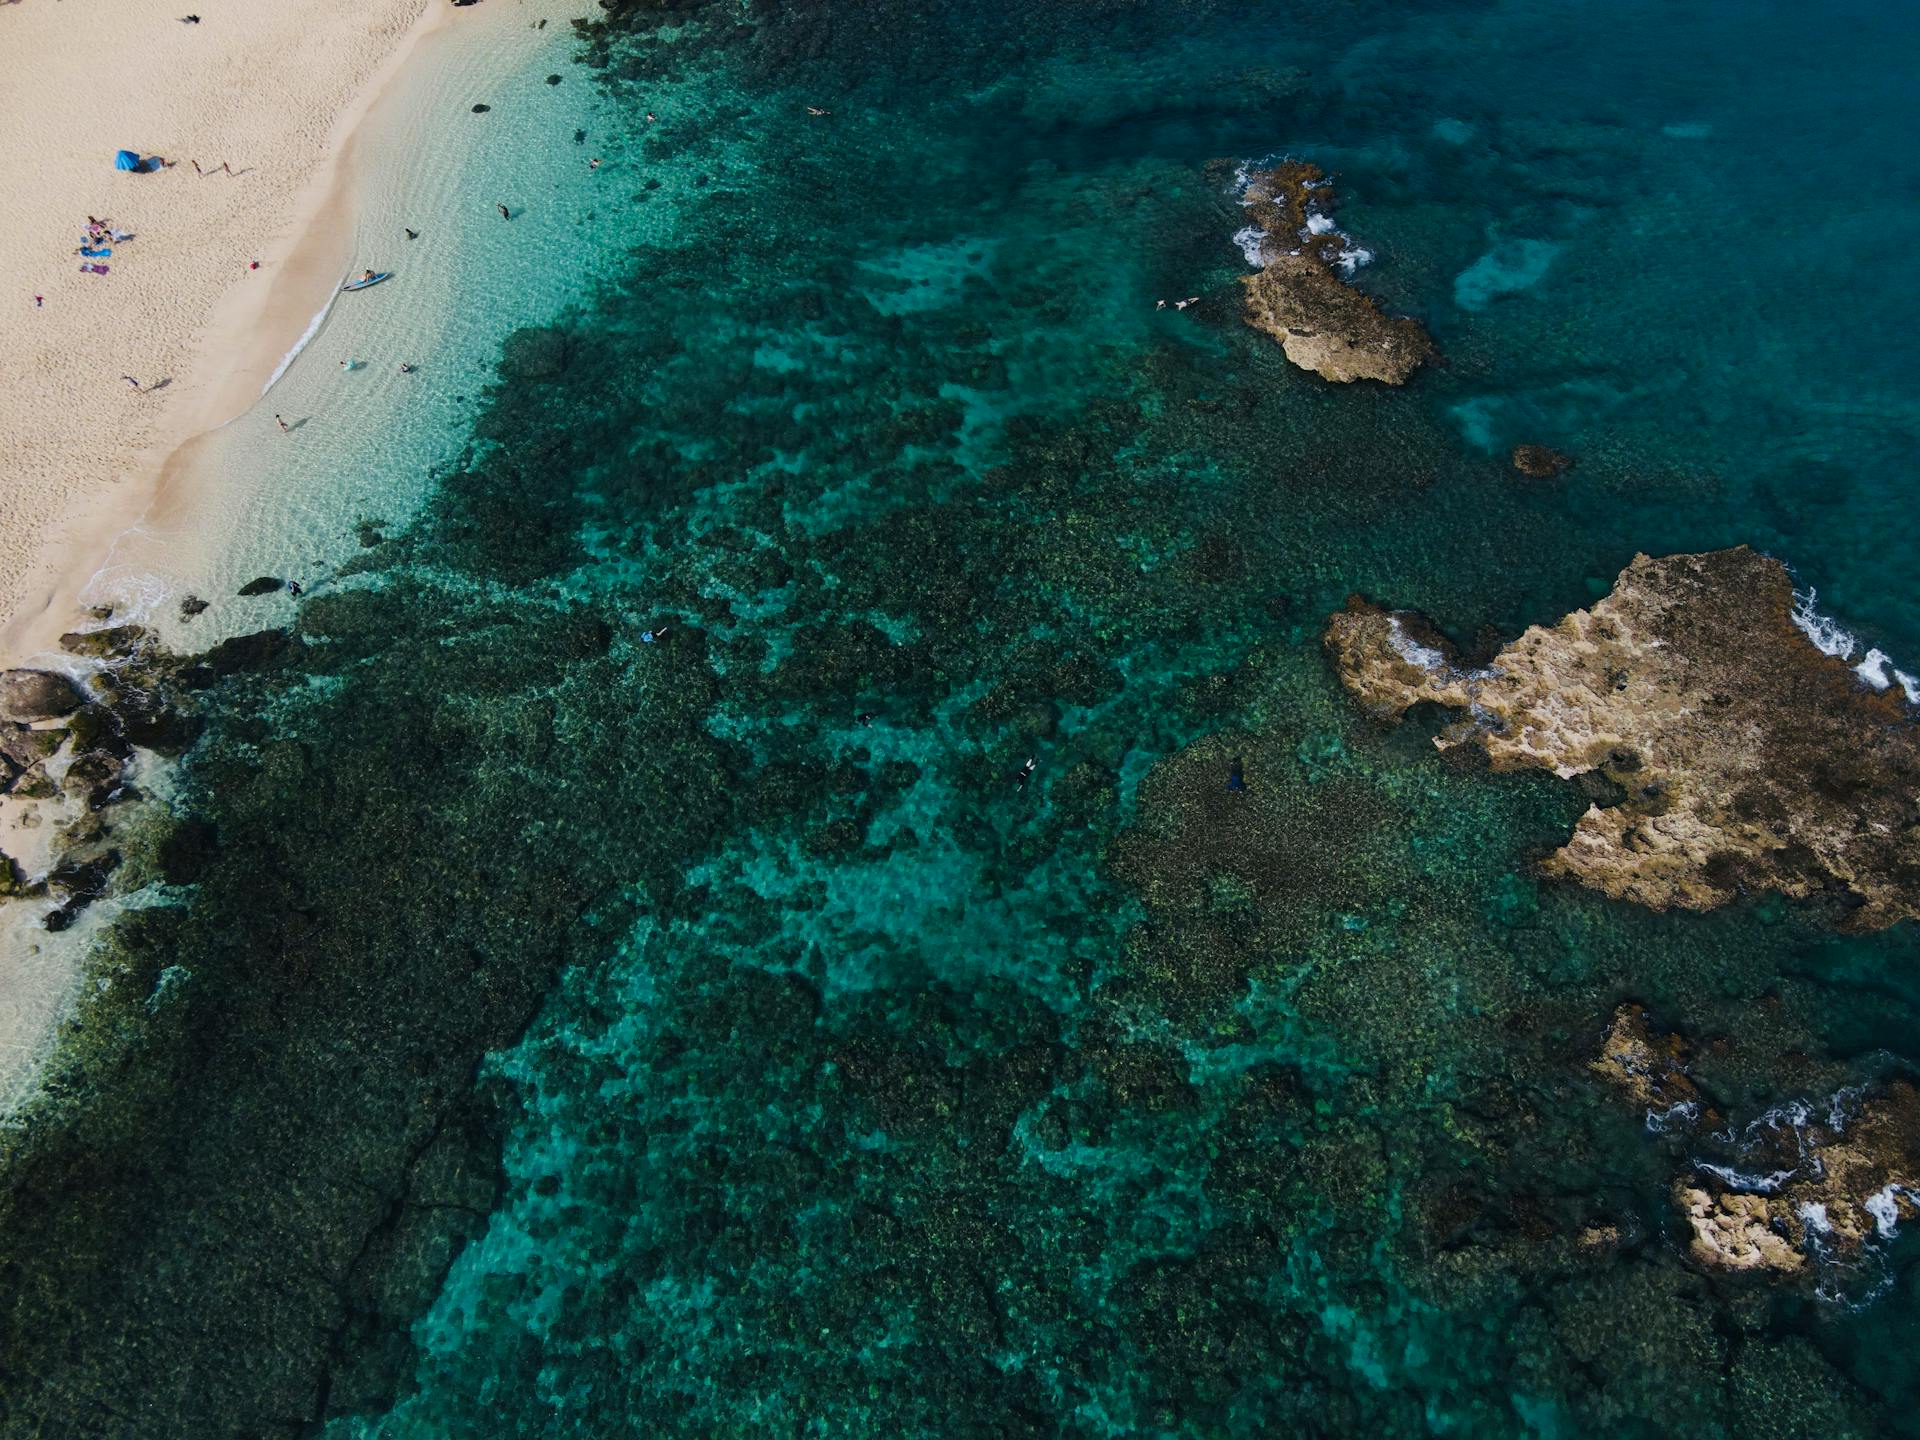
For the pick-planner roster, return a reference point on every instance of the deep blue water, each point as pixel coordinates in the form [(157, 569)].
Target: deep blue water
[(838, 1086)]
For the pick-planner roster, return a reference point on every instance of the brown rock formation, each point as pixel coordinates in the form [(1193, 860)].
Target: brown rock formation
[(1849, 1177), (1732, 1231), (1649, 1069), (1537, 462), (1749, 759), (1298, 297), (36, 695)]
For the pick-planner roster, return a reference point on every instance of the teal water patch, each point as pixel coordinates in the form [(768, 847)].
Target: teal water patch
[(1507, 269)]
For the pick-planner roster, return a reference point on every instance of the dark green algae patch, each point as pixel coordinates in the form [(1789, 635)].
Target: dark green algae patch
[(838, 1085)]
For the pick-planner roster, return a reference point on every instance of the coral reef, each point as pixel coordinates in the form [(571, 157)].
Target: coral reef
[(1746, 759), (1299, 298)]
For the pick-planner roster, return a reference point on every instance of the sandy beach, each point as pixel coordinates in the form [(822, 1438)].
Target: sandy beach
[(272, 92)]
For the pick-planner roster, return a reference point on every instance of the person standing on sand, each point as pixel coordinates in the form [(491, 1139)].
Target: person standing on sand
[(131, 381)]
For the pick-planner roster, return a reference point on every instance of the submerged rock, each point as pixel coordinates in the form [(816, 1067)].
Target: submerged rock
[(262, 585), (1748, 758), (1537, 462), (37, 695), (1299, 298)]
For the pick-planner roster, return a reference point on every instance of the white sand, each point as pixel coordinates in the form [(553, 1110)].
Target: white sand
[(347, 118), (273, 88)]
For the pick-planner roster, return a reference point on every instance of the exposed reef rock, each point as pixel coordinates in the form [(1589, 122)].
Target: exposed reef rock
[(1799, 1187), (1748, 759), (1299, 298), (1537, 462), (78, 754), (1809, 1187), (1733, 1231), (1649, 1069)]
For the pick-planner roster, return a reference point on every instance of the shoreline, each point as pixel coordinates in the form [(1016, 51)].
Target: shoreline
[(72, 543), (202, 494)]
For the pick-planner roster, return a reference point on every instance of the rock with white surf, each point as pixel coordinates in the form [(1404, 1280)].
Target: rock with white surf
[(1300, 295), (1750, 759)]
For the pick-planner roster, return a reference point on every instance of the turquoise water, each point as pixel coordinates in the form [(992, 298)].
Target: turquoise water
[(591, 1035)]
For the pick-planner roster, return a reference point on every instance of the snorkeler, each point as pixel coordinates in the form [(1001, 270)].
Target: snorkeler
[(1236, 780), (1026, 774)]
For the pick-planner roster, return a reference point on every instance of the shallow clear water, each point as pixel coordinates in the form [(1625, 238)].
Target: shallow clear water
[(861, 1092)]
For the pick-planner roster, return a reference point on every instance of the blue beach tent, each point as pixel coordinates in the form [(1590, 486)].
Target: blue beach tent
[(130, 160)]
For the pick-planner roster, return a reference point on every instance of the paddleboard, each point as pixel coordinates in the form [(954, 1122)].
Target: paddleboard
[(364, 284)]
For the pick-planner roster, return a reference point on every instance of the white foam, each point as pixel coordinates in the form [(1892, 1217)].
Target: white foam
[(1886, 1214), (1829, 636), (1412, 651), (1874, 670), (1251, 241), (1749, 1183), (1319, 224), (306, 338), (1682, 1112), (1813, 1215)]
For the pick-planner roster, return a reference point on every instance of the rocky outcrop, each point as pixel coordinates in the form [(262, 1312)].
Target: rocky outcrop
[(1537, 462), (1800, 1187), (36, 695), (1299, 298), (1822, 1186), (78, 756), (1733, 1231), (1747, 758), (1647, 1068)]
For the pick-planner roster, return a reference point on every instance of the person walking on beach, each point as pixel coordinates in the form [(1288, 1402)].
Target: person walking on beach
[(131, 381), (284, 428)]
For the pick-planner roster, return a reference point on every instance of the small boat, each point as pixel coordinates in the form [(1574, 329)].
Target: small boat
[(366, 283)]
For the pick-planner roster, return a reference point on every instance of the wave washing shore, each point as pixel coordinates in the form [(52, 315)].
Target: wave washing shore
[(815, 877)]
